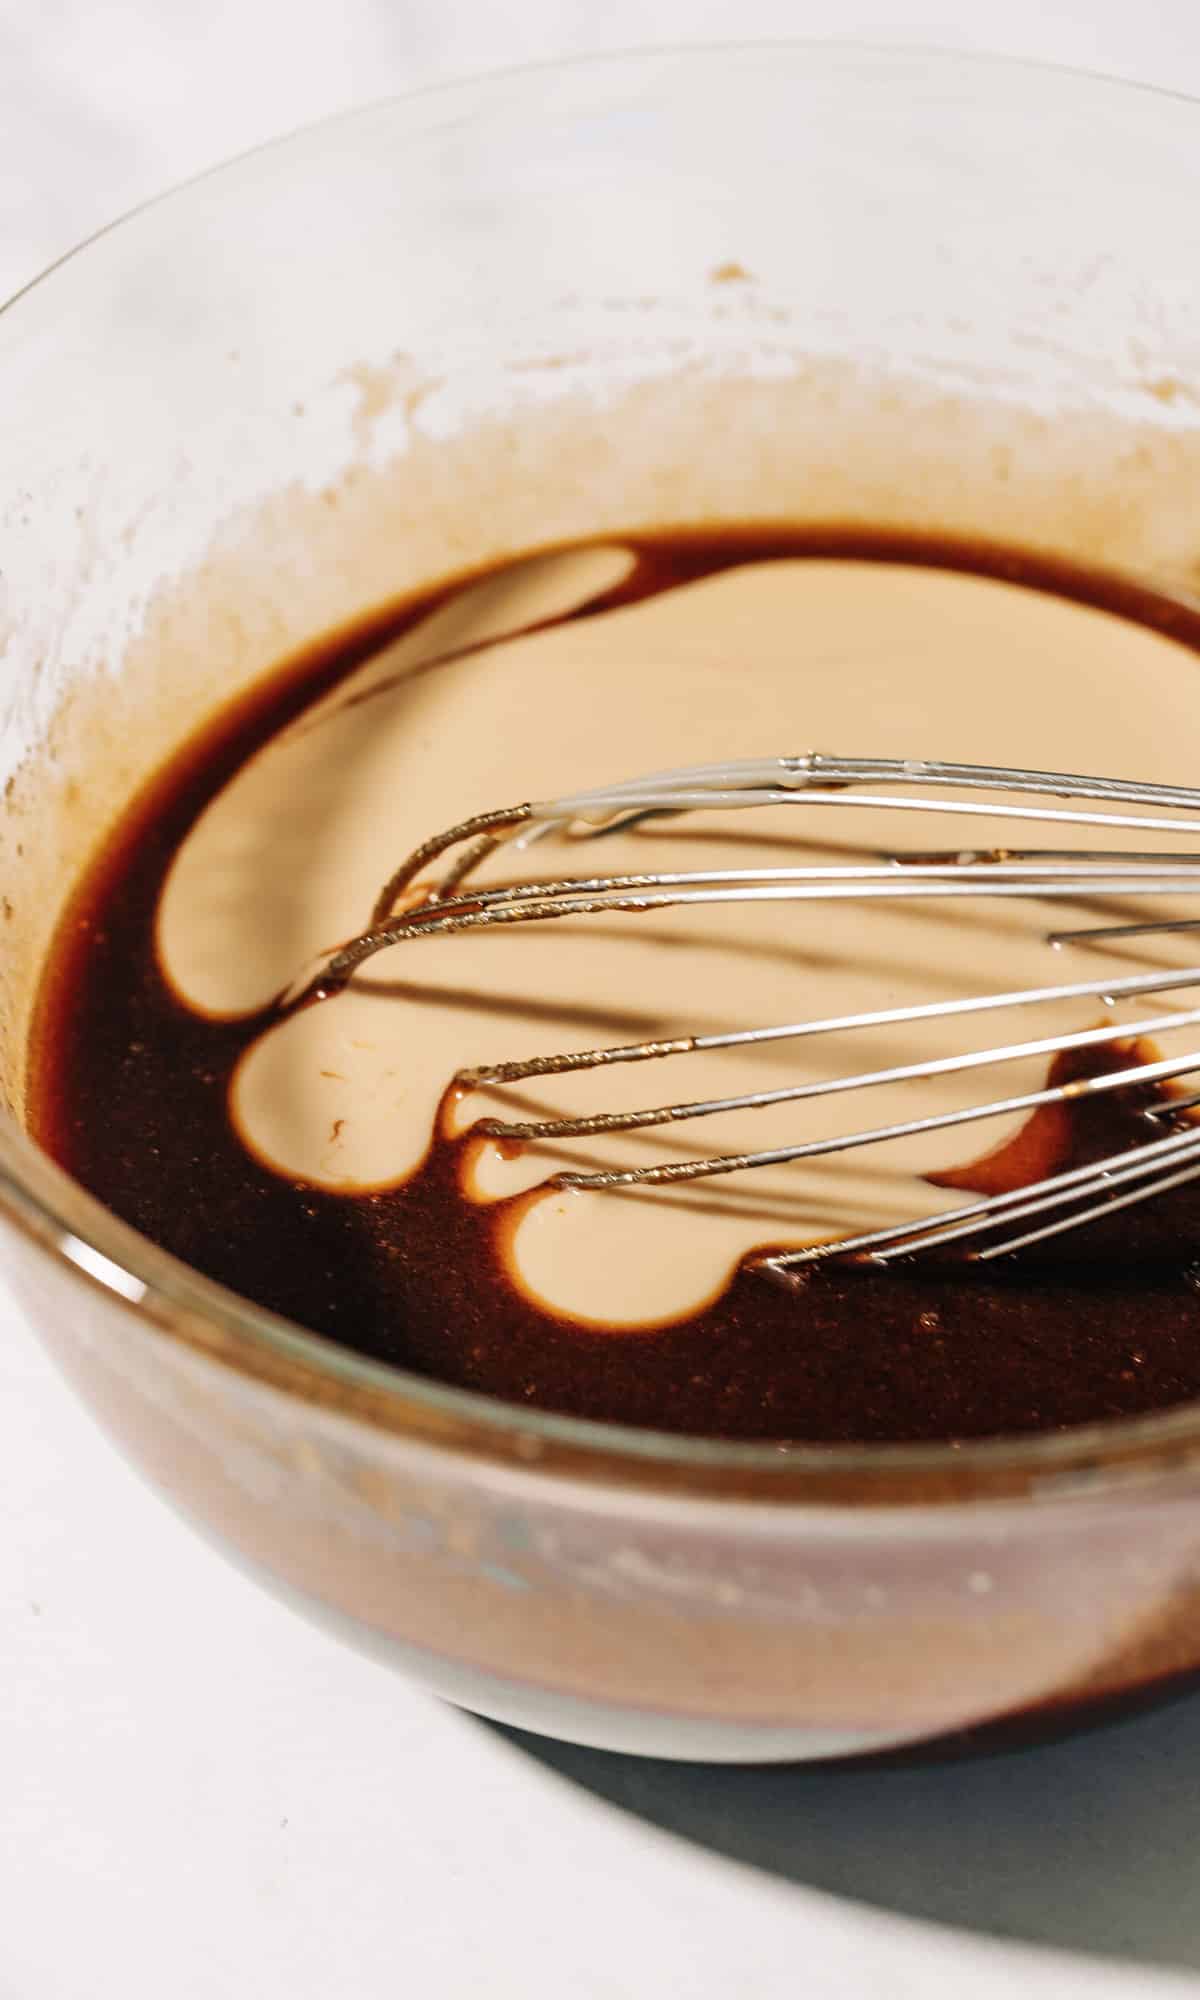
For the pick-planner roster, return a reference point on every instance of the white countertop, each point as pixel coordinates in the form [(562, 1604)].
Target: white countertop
[(200, 1797)]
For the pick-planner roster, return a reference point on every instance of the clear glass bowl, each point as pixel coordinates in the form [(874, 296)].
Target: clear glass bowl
[(816, 283)]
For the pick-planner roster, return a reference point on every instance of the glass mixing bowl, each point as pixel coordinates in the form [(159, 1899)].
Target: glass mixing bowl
[(813, 283)]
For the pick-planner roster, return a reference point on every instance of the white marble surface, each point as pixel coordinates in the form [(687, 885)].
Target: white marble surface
[(202, 1798)]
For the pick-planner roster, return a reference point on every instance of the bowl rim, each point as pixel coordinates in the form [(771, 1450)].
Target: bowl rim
[(85, 1240)]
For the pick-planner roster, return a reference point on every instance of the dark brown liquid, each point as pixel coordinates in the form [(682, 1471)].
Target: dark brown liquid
[(128, 1092)]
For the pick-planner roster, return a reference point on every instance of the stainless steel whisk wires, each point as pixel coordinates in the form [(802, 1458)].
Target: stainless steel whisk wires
[(405, 911)]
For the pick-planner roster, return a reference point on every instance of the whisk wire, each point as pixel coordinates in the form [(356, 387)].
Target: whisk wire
[(410, 907)]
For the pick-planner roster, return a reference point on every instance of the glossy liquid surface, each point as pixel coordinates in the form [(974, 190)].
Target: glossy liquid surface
[(131, 1091)]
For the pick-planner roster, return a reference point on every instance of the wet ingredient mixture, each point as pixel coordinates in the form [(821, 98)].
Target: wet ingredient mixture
[(315, 1160)]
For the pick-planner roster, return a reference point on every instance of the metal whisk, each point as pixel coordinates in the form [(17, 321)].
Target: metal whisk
[(988, 1227)]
